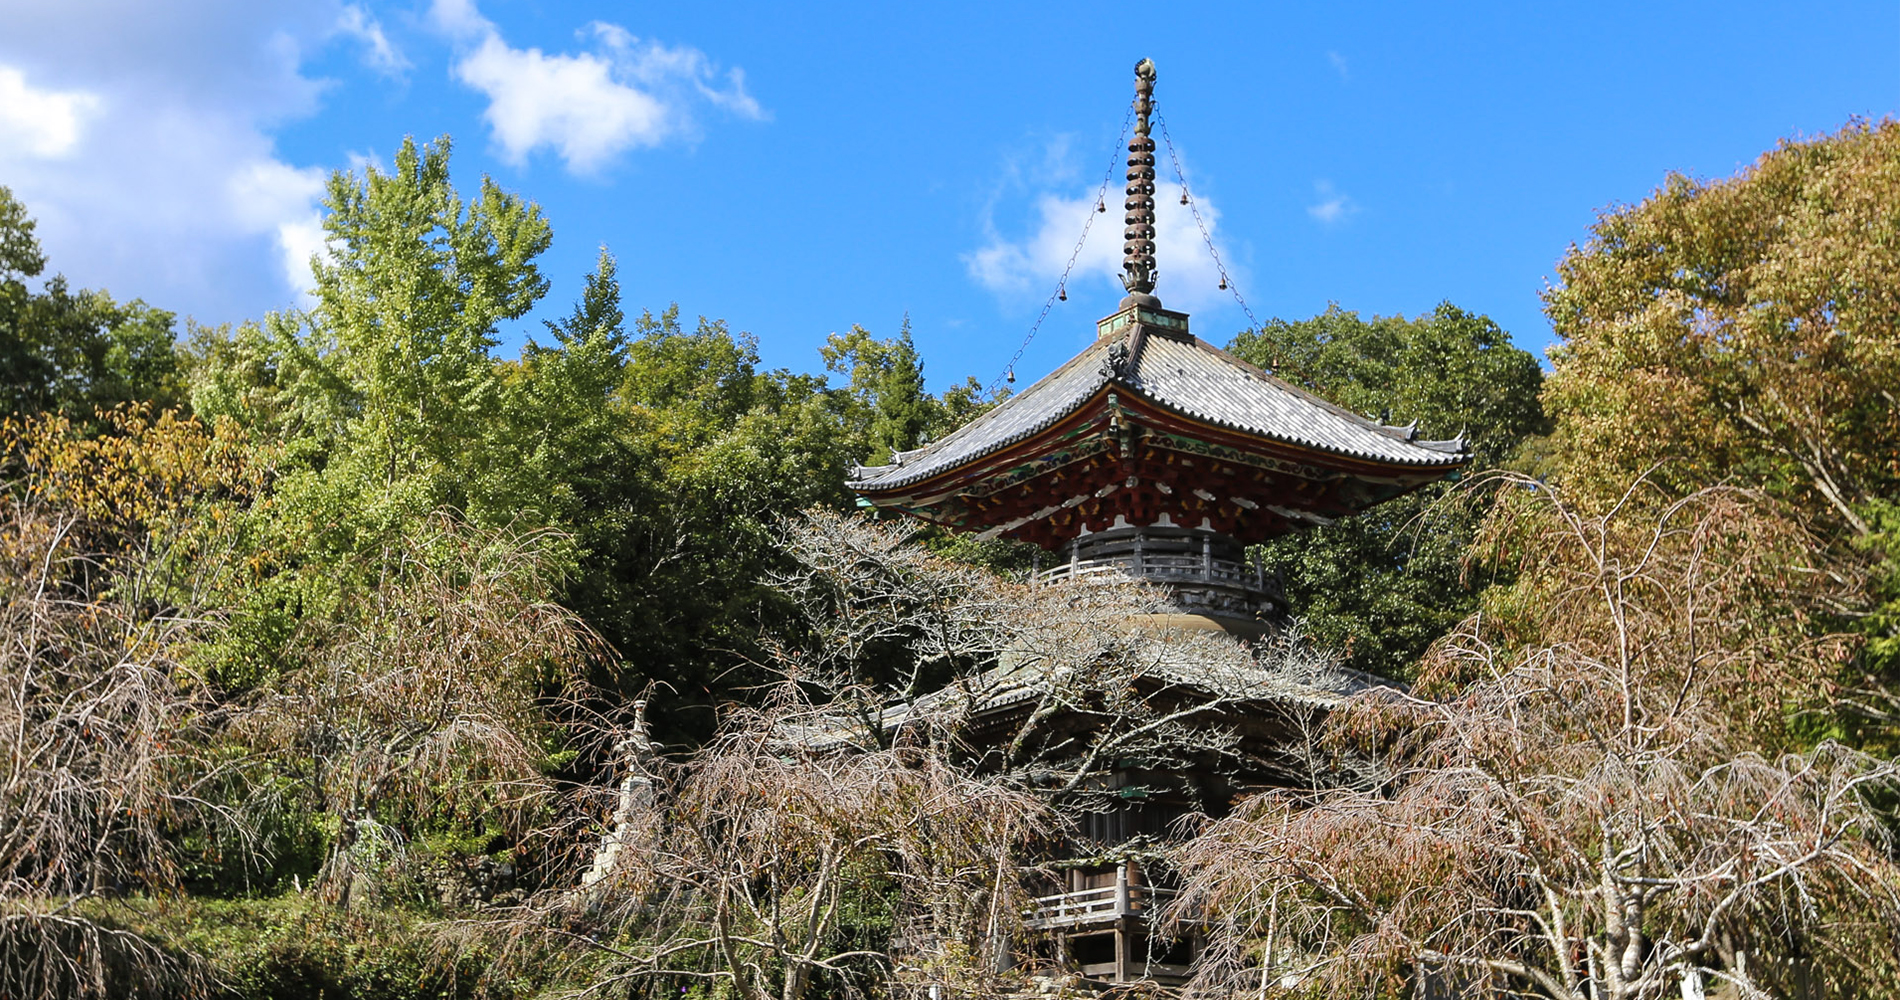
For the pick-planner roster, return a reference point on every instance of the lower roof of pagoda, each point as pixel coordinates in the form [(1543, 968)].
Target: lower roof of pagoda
[(1151, 426)]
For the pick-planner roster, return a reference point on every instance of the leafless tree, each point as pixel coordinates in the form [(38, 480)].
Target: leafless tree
[(103, 724), (789, 852), (431, 697), (865, 825), (1584, 795), (1058, 677)]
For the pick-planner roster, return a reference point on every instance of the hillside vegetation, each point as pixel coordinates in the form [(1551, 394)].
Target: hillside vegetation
[(325, 637)]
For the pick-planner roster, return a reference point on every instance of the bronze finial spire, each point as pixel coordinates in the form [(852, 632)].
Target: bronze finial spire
[(1138, 238)]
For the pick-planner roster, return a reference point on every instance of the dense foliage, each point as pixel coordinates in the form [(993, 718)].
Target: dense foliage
[(1380, 587), (323, 637), (1747, 331), (69, 351)]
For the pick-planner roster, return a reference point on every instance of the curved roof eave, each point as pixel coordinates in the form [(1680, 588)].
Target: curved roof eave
[(1072, 385)]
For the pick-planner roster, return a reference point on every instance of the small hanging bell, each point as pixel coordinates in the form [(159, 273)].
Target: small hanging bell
[(1011, 376), (1184, 197), (1062, 293), (1223, 283), (1100, 205)]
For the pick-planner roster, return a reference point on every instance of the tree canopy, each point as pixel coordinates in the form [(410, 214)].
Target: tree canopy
[(71, 351), (1746, 331), (1381, 586)]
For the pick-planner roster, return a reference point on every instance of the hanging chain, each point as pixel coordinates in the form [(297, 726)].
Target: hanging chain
[(1062, 285), (1194, 206)]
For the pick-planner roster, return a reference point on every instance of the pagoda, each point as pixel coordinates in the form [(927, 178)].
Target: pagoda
[(1156, 455)]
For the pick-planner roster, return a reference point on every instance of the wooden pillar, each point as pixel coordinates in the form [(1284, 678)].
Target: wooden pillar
[(1123, 940), (1207, 558), (1121, 950)]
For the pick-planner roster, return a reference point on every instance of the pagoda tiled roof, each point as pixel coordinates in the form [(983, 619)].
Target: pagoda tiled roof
[(1183, 374)]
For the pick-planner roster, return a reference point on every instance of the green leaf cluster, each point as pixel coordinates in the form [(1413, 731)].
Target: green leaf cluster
[(1381, 586), (69, 351)]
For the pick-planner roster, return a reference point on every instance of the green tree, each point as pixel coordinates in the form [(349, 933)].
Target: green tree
[(386, 396), (559, 423), (677, 527), (904, 410), (73, 352), (1381, 586), (886, 395), (411, 297), (383, 407), (864, 362)]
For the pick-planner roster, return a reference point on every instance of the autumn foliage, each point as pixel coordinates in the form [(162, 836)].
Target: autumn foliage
[(1584, 805)]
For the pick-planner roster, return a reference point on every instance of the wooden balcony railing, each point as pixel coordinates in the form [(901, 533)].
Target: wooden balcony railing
[(1095, 906), (1176, 558), (1165, 975), (1148, 565)]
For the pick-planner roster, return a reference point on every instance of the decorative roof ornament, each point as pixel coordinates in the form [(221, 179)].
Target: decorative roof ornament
[(1115, 364), (1138, 236)]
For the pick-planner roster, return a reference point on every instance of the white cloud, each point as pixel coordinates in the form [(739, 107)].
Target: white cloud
[(43, 123), (141, 136), (298, 240), (459, 19), (1188, 276), (587, 107), (569, 103), (378, 53), (1339, 65), (167, 184), (660, 68), (271, 197), (1333, 207)]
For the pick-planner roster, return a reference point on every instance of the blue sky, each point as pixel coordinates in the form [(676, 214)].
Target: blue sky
[(800, 168)]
